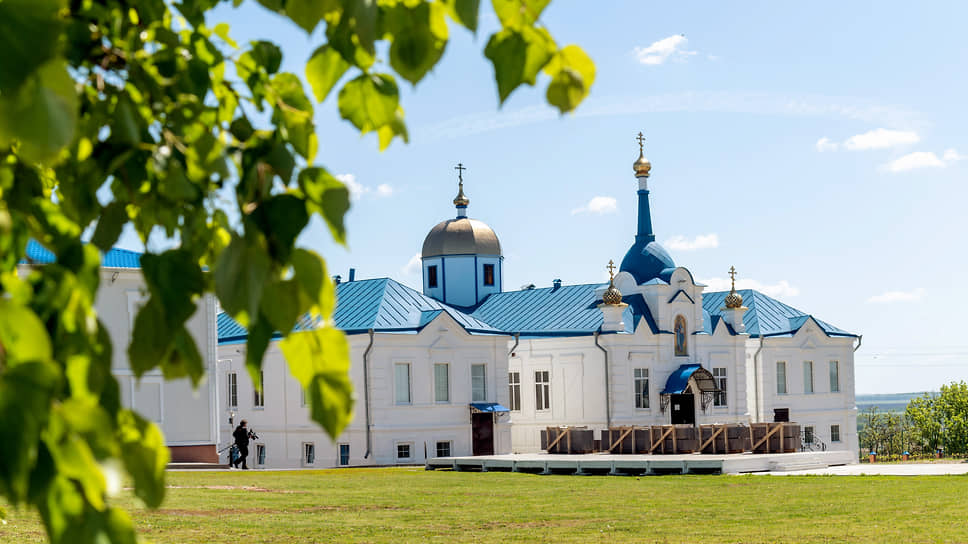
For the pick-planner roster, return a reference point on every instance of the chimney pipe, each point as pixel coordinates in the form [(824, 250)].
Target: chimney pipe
[(352, 274)]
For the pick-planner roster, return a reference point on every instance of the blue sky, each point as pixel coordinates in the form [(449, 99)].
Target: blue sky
[(819, 148)]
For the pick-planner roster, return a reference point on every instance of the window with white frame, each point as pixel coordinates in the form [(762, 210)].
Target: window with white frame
[(808, 376), (401, 381), (232, 379), (514, 391), (403, 452), (719, 375), (441, 382), (344, 454), (781, 379), (542, 390), (309, 453), (834, 376), (641, 381), (835, 433), (259, 393), (478, 383), (443, 448), (260, 454), (808, 434)]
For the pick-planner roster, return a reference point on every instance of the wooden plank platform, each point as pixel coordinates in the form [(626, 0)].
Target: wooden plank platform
[(610, 463)]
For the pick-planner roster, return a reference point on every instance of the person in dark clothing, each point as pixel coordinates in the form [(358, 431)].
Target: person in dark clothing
[(241, 435)]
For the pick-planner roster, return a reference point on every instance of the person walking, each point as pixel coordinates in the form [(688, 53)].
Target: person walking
[(241, 435)]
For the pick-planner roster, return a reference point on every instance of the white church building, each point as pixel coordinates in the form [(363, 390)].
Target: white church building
[(465, 368)]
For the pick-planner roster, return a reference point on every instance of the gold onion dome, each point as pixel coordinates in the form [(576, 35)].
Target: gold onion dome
[(642, 166), (461, 199), (733, 299), (612, 296)]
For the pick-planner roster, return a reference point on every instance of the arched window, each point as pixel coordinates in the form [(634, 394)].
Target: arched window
[(681, 347)]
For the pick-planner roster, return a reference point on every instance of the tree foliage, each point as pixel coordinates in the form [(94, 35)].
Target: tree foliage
[(941, 420), (141, 112)]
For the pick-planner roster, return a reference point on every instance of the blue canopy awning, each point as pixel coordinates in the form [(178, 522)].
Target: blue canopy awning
[(487, 407), (679, 380)]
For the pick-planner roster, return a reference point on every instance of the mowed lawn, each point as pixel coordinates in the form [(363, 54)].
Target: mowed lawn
[(408, 504)]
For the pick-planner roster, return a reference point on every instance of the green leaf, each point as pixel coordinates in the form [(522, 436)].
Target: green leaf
[(328, 197), (174, 277), (26, 391), (464, 12), (419, 37), (281, 218), (315, 283), (323, 70), (308, 13), (573, 73), (23, 337), (260, 334), (28, 31), (387, 133), (145, 456), (518, 13), (369, 101), (109, 226), (295, 112), (319, 359), (42, 115), (240, 274), (267, 55), (241, 128), (518, 56), (151, 338), (222, 31), (283, 303)]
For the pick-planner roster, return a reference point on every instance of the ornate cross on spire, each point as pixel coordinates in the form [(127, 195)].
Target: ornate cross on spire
[(460, 171), (641, 140), (611, 269), (732, 276)]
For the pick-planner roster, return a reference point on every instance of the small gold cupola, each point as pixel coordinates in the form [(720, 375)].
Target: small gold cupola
[(612, 296), (733, 299), (642, 166), (461, 200)]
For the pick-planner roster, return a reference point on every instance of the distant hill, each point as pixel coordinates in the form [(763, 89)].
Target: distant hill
[(890, 402)]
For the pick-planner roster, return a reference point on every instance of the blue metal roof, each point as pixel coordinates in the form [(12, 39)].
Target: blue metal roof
[(115, 258), (767, 316), (488, 407), (568, 310), (679, 379), (383, 305), (646, 261)]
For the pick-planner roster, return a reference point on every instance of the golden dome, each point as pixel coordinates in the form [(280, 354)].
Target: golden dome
[(461, 199), (642, 166), (461, 236), (612, 296), (733, 299)]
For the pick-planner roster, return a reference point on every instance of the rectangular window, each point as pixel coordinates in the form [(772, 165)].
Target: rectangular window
[(344, 454), (641, 387), (835, 433), (302, 396), (719, 374), (834, 377), (808, 376), (808, 434), (309, 453), (432, 276), (403, 451), (781, 388), (402, 383), (259, 398), (514, 391), (443, 449), (542, 390), (478, 383), (260, 454), (441, 382), (233, 381), (488, 274)]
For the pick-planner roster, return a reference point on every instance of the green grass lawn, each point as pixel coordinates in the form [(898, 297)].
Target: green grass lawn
[(412, 505)]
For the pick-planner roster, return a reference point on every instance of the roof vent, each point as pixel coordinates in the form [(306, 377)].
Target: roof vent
[(527, 287), (352, 274), (337, 278), (556, 283)]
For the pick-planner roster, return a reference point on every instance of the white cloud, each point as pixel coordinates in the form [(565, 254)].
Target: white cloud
[(599, 205), (358, 190), (663, 50), (898, 296), (825, 144), (701, 241), (413, 265), (950, 155), (881, 138), (918, 159), (779, 289)]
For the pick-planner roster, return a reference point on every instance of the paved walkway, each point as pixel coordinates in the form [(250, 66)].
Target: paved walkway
[(885, 469)]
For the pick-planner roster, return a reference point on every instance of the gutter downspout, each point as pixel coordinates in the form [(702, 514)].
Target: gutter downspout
[(517, 340), (860, 340), (608, 398), (756, 380), (366, 392)]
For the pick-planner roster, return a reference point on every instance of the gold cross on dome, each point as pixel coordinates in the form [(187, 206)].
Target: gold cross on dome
[(641, 140), (460, 171), (732, 276), (611, 268)]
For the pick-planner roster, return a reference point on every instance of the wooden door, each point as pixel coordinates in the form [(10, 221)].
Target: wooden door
[(683, 409), (482, 433)]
